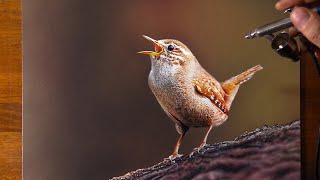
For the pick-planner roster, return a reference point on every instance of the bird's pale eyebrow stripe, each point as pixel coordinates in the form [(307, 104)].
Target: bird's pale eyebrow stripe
[(184, 51)]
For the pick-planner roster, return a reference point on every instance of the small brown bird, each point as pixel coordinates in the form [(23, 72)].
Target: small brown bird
[(188, 94)]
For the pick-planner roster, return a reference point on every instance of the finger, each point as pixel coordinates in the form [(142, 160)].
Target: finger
[(293, 31), (308, 23), (285, 4)]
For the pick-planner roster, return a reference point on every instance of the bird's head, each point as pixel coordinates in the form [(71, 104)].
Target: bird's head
[(169, 50)]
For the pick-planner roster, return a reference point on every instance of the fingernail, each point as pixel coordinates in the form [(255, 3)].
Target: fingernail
[(299, 17)]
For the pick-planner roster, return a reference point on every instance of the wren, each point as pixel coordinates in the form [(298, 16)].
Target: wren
[(188, 94)]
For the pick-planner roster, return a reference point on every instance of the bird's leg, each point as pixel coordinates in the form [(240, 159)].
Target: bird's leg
[(204, 142), (205, 137), (175, 153)]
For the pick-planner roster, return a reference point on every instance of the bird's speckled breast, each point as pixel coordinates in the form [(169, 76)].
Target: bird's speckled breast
[(177, 95)]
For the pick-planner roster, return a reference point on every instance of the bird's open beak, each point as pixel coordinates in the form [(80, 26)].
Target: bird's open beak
[(158, 49)]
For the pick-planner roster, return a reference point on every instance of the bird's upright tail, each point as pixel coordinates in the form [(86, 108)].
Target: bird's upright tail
[(243, 77), (232, 85)]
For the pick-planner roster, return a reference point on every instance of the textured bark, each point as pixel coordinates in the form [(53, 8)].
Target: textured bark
[(266, 153)]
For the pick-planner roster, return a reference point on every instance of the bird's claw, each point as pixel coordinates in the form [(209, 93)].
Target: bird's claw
[(198, 150), (172, 158)]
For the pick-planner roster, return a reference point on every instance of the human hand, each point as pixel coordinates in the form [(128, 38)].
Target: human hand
[(305, 20)]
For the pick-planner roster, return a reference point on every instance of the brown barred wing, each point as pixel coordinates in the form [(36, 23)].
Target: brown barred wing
[(207, 88)]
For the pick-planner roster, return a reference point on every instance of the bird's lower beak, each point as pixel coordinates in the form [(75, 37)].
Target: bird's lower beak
[(158, 48)]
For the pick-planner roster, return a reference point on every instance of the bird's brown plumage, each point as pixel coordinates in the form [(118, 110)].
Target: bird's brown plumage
[(207, 88), (188, 94)]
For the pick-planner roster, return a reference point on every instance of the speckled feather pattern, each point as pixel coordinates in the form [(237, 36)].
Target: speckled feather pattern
[(188, 94), (185, 90), (177, 95)]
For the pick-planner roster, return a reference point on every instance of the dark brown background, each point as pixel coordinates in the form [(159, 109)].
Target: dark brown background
[(88, 111)]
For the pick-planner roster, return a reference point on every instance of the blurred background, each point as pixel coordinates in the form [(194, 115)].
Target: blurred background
[(88, 110)]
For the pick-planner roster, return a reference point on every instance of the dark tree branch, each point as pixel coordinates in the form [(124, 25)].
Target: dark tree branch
[(266, 153)]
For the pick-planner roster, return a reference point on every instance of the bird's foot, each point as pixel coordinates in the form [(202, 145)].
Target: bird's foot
[(199, 150), (173, 157)]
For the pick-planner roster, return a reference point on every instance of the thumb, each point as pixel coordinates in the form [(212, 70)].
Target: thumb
[(308, 23)]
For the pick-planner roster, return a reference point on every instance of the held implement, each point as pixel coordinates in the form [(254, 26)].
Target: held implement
[(275, 26), (282, 43)]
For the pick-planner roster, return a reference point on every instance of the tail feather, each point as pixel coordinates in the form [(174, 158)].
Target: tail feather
[(243, 77), (232, 85)]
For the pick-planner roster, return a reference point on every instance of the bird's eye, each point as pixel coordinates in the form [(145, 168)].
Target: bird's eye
[(170, 47)]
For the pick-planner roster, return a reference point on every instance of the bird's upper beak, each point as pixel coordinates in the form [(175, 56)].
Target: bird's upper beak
[(158, 48)]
